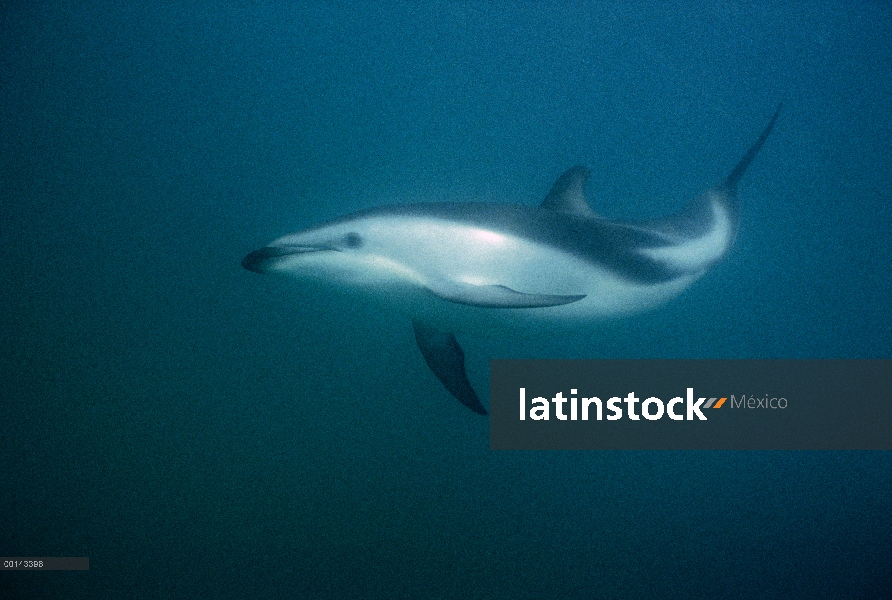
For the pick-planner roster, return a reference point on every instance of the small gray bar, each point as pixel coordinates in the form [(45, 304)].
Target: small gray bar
[(44, 563)]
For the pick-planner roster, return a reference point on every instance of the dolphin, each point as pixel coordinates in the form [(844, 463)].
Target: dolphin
[(461, 266)]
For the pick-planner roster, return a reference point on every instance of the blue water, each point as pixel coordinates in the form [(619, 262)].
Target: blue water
[(200, 431)]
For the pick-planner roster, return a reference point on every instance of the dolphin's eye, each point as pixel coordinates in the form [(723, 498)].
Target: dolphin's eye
[(353, 240)]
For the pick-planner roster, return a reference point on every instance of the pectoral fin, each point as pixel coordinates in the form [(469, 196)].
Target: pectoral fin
[(447, 360), (495, 296)]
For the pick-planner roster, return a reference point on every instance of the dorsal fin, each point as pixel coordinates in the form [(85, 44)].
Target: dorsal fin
[(568, 193)]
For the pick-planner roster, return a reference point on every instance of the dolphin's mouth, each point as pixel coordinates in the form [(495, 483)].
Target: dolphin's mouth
[(259, 260)]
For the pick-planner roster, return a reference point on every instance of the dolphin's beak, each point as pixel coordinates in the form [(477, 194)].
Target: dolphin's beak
[(255, 260), (260, 261)]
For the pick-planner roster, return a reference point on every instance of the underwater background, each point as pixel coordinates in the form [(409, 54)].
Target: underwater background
[(200, 431)]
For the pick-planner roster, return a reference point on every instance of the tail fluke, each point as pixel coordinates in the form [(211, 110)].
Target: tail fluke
[(734, 178)]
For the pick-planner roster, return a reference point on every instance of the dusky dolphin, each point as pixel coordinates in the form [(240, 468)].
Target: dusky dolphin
[(477, 266)]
